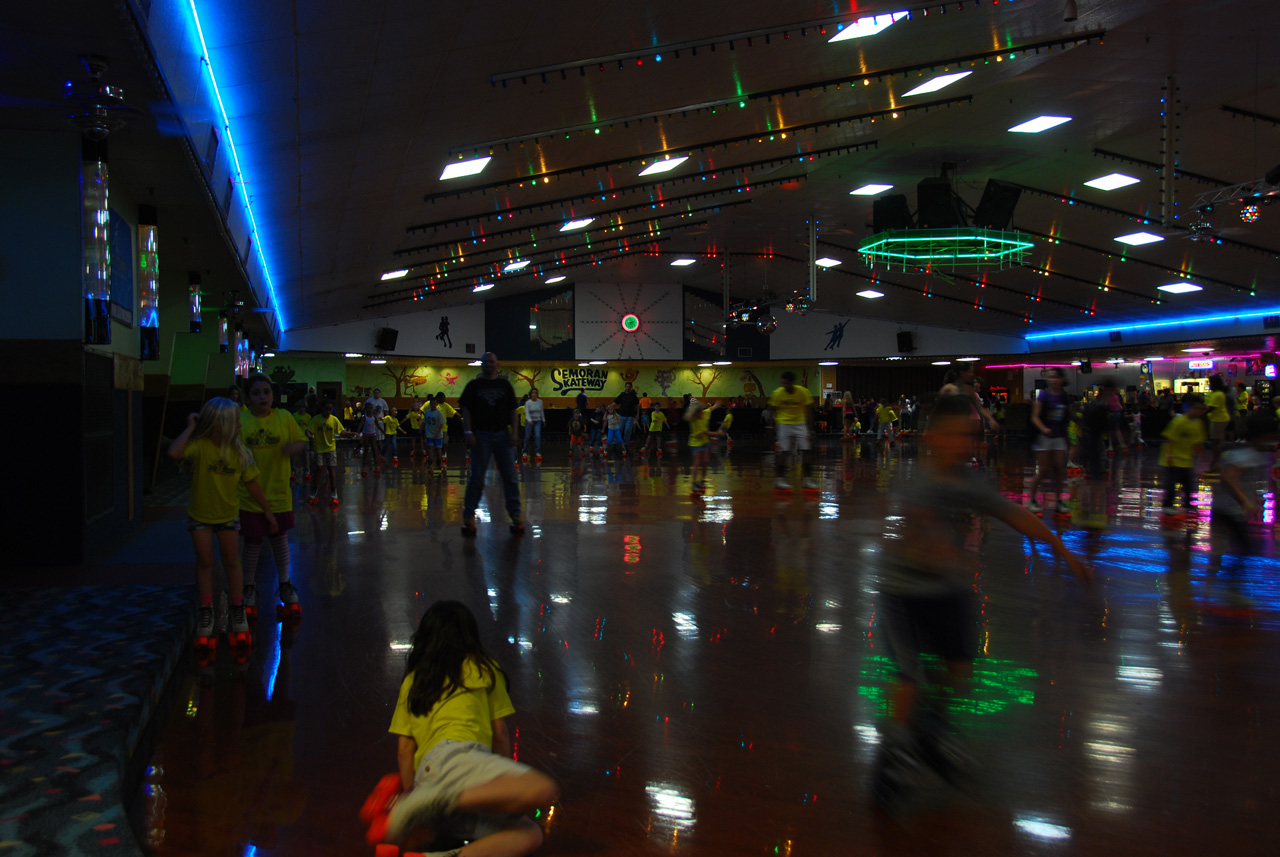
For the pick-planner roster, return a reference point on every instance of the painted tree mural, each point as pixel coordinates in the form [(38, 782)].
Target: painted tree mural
[(704, 378), (529, 376), (751, 384), (664, 379), (281, 375), (407, 379)]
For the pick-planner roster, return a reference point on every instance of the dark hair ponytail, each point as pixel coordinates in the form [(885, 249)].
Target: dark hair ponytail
[(447, 637)]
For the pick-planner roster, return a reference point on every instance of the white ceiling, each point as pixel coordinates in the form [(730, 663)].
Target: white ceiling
[(345, 114)]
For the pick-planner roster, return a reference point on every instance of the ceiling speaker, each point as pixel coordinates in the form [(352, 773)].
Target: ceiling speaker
[(995, 209), (936, 206), (890, 212), (386, 340), (906, 342)]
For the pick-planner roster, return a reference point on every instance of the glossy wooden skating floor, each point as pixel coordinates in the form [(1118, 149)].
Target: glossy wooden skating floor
[(707, 677)]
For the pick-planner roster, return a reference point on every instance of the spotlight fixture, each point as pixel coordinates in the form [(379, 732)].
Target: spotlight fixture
[(1071, 12), (1250, 213)]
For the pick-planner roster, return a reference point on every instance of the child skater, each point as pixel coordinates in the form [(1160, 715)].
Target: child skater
[(369, 435), (324, 431), (595, 423), (577, 435), (1183, 436), (219, 463), (614, 422), (302, 463), (698, 416), (273, 436), (433, 425), (657, 426), (390, 428), (455, 748), (926, 599), (725, 425), (415, 430)]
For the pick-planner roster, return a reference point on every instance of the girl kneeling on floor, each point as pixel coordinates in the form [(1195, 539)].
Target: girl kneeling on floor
[(455, 749)]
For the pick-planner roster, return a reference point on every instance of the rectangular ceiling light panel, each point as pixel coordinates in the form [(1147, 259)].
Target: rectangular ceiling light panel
[(395, 275), (666, 165), (680, 263), (458, 169), (1137, 239), (1179, 288), (870, 189), (938, 83), (870, 293), (1040, 123), (868, 26), (577, 224), (1111, 182), (826, 262), (515, 266)]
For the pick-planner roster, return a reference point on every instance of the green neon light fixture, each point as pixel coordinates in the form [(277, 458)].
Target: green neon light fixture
[(630, 322), (958, 247)]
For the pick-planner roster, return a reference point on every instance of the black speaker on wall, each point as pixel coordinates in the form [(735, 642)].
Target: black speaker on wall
[(906, 342), (995, 209), (387, 337), (890, 212), (1086, 367), (936, 204)]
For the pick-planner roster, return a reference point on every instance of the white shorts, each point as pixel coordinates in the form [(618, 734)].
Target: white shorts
[(793, 436), (1044, 443), (452, 766)]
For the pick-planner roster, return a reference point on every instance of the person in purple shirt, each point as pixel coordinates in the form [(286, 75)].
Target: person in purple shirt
[(1049, 414)]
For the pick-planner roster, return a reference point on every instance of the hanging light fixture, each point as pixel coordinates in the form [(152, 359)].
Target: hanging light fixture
[(223, 344), (148, 284), (96, 243), (193, 281)]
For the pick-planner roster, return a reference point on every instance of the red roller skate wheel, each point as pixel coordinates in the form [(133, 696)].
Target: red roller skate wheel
[(379, 800), (386, 849)]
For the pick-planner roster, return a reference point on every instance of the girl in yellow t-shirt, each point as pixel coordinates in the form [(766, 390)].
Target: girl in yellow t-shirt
[(698, 416), (273, 437), (211, 446), (455, 751)]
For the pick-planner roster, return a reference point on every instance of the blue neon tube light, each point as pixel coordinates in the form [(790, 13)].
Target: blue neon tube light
[(1154, 324), (226, 130)]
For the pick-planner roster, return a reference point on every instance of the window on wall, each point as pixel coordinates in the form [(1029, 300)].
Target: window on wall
[(704, 321), (551, 321)]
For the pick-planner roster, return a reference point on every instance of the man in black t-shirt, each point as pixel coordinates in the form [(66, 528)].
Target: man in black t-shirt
[(628, 407), (488, 405)]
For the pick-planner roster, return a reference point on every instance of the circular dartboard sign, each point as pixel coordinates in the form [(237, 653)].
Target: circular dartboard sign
[(630, 322)]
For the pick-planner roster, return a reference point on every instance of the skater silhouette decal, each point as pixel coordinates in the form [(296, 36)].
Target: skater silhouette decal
[(443, 335), (837, 334)]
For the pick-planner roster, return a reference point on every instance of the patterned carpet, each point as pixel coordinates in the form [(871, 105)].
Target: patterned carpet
[(81, 670)]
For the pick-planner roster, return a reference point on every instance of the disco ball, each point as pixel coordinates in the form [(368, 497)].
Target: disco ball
[(1249, 214), (767, 324)]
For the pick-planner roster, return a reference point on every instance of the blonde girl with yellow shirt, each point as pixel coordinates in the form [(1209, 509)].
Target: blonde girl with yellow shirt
[(219, 462)]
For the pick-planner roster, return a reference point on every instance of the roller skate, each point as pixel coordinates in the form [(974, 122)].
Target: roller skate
[(395, 462), (811, 486), (537, 459), (378, 805), (206, 642), (364, 472), (469, 526), (781, 486), (333, 502), (659, 452), (250, 602), (524, 456), (1034, 508), (699, 488), (238, 637), (312, 500), (517, 525), (288, 609), (377, 470)]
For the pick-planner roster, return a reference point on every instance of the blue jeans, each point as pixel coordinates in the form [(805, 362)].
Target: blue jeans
[(495, 444), (389, 447), (628, 423), (533, 437)]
